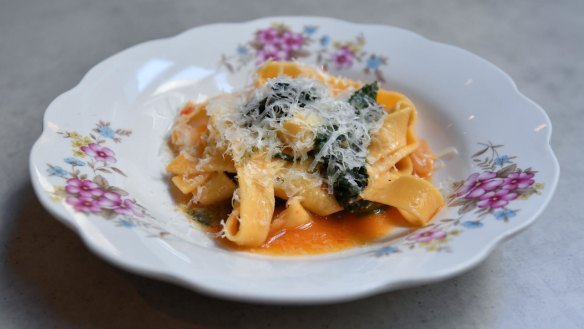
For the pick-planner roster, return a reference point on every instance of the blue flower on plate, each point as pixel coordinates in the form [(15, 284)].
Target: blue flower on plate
[(74, 162), (310, 29), (472, 224), (242, 50), (373, 62), (504, 214), (57, 171), (387, 250), (126, 223), (106, 132), (325, 40), (501, 160)]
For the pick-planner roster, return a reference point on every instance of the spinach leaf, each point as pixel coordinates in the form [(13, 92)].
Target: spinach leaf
[(364, 97), (209, 216), (350, 182), (306, 97), (321, 139), (349, 185), (365, 207), (282, 93)]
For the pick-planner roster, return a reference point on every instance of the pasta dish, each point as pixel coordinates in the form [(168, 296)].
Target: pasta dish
[(302, 162)]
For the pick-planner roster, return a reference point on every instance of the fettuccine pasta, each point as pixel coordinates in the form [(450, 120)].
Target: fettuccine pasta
[(322, 145)]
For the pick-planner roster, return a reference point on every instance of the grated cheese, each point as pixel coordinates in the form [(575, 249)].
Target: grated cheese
[(258, 120)]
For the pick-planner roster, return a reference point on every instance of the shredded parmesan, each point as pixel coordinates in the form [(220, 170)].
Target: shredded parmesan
[(262, 119)]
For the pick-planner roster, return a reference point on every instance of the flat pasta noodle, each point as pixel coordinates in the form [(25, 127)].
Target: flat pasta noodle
[(396, 132), (216, 166), (182, 164), (416, 198), (274, 69), (190, 183), (249, 223), (292, 180), (189, 128), (405, 166), (292, 217), (218, 188)]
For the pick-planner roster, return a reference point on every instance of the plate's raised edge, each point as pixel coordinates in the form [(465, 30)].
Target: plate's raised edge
[(142, 269)]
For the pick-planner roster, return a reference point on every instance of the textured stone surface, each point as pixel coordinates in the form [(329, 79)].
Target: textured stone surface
[(48, 279)]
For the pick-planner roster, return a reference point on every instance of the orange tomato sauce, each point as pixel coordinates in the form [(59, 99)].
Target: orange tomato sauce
[(327, 234)]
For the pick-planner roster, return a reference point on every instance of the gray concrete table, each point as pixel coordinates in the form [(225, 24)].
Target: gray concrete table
[(48, 279)]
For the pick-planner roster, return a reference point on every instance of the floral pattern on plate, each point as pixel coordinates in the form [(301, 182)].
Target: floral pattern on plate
[(85, 188), (486, 194), (279, 42)]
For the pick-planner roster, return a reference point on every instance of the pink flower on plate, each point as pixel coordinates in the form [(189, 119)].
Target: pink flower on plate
[(343, 58), (84, 204), (99, 153), (496, 199), (110, 200), (268, 36), (277, 51), (518, 180), (272, 53), (291, 41), (478, 184), (128, 207), (84, 188), (428, 236), (114, 201)]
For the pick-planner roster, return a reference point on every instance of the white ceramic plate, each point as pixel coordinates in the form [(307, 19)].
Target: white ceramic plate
[(99, 165)]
